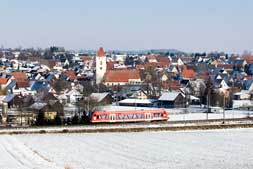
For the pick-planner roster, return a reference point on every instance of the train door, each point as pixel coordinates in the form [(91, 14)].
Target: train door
[(112, 117), (148, 116)]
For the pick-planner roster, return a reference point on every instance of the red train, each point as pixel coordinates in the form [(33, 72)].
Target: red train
[(129, 116)]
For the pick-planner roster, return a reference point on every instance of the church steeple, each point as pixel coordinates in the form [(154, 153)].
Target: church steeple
[(100, 52), (100, 65)]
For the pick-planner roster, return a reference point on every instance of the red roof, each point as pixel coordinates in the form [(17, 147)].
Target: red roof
[(249, 59), (156, 64), (110, 65), (71, 74), (188, 73), (225, 66), (3, 81), (23, 84), (140, 67), (164, 60), (19, 76), (121, 75), (100, 52), (172, 85)]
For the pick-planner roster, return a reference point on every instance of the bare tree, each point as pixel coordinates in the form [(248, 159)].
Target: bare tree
[(152, 83)]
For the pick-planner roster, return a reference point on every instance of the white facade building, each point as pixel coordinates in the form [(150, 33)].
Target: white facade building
[(100, 65)]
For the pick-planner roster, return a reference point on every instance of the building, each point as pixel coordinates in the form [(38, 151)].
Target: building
[(100, 65), (122, 77), (172, 100)]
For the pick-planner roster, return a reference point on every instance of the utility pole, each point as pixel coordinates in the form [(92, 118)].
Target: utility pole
[(224, 102)]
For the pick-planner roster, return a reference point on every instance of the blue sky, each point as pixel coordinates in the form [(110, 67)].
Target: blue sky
[(188, 25)]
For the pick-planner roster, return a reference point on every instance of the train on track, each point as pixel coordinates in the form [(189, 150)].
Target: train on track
[(129, 116)]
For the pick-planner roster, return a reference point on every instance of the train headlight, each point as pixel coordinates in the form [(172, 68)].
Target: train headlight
[(94, 118)]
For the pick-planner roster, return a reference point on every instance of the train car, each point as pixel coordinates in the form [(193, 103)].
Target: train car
[(129, 116)]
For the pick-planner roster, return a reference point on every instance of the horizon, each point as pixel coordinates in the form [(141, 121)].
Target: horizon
[(194, 26)]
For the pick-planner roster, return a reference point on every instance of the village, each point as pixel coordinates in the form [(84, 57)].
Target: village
[(54, 86)]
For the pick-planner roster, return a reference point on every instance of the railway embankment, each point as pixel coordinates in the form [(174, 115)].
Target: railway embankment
[(137, 127)]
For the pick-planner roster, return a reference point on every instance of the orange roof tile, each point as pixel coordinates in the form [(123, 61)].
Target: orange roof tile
[(19, 76), (110, 65), (100, 52), (156, 64), (23, 84), (3, 81), (71, 74), (225, 66), (140, 67), (188, 73), (121, 75)]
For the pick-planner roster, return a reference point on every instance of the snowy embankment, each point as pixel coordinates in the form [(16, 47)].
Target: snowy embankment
[(191, 113), (175, 115), (230, 149)]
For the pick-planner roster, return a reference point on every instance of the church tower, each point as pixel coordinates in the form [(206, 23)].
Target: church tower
[(100, 65)]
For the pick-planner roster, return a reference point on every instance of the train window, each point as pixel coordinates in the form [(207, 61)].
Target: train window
[(157, 114), (148, 116)]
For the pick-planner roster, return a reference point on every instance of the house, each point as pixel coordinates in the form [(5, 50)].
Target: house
[(248, 59), (188, 74), (137, 102), (36, 85), (101, 98), (173, 69), (49, 109), (71, 75), (177, 61), (70, 96), (172, 99), (220, 84), (122, 77), (151, 58), (239, 64), (4, 82), (197, 87), (139, 94), (87, 62), (248, 85), (19, 76), (243, 95)]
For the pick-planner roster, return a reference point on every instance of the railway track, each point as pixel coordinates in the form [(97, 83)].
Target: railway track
[(136, 127)]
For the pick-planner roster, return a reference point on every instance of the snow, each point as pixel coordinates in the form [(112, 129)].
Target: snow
[(169, 96), (191, 113), (141, 101), (230, 149)]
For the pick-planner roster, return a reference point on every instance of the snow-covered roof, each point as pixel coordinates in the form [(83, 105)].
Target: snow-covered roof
[(242, 103), (73, 92), (98, 96), (169, 96), (194, 98), (138, 101), (38, 105), (243, 92)]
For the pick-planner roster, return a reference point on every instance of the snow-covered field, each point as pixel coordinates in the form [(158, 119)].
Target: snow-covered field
[(230, 149)]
